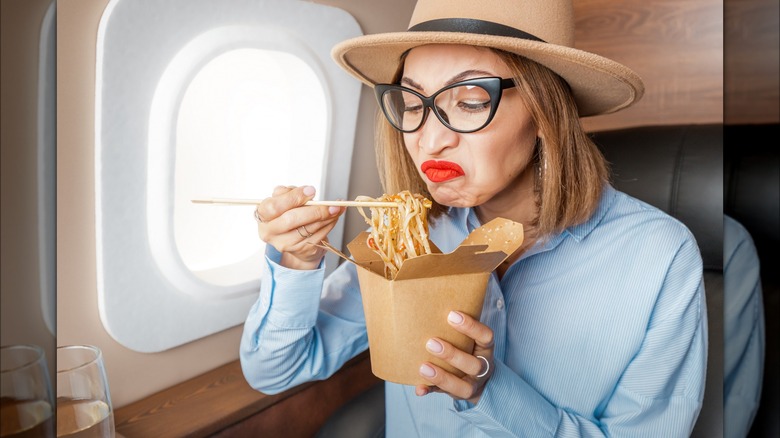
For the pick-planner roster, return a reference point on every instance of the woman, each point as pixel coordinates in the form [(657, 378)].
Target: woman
[(596, 326)]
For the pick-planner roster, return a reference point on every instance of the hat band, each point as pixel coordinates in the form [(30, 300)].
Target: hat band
[(470, 25)]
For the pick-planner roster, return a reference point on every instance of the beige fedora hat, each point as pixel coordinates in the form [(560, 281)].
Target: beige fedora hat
[(541, 30)]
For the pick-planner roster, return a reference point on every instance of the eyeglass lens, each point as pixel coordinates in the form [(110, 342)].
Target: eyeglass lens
[(463, 108)]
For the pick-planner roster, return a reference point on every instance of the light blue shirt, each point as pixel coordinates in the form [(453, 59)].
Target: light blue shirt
[(599, 331), (743, 325)]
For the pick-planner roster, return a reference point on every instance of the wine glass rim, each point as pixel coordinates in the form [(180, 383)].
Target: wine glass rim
[(39, 354), (98, 354)]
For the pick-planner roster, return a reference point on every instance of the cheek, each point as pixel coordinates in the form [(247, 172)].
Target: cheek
[(409, 141), (501, 165), (511, 153), (411, 144), (498, 170)]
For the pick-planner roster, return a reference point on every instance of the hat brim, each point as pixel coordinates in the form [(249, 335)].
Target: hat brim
[(599, 85)]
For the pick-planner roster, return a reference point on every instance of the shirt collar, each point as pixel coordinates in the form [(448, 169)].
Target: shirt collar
[(581, 231), (465, 219)]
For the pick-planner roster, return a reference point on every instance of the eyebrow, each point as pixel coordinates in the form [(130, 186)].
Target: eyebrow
[(457, 78)]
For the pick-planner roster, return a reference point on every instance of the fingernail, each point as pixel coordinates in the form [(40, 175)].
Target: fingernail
[(434, 346), (427, 371), (308, 191), (455, 317), (334, 210)]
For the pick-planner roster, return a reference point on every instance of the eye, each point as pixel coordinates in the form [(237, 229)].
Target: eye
[(469, 98), (412, 107), (473, 105)]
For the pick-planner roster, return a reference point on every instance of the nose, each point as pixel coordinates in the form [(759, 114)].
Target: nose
[(434, 137)]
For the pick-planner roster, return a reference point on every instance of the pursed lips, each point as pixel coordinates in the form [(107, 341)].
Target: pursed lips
[(440, 171)]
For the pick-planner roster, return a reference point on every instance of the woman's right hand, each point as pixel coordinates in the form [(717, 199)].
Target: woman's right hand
[(284, 222)]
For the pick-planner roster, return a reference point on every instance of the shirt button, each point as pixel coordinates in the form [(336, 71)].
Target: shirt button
[(500, 304)]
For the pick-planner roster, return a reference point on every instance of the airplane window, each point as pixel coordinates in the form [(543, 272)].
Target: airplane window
[(239, 134), (210, 99)]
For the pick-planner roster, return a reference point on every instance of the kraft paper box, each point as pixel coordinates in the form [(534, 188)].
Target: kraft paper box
[(402, 314)]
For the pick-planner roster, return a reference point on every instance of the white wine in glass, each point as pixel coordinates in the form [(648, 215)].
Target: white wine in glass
[(83, 399), (26, 396)]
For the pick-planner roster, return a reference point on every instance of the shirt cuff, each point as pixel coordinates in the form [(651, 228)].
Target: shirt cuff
[(294, 295), (530, 411)]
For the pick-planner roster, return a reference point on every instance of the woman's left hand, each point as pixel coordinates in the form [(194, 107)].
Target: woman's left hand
[(477, 365)]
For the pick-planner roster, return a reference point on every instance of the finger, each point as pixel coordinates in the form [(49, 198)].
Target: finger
[(280, 190), (284, 199), (466, 362), (308, 222), (286, 204), (319, 229), (301, 255), (258, 217), (480, 333), (422, 390), (448, 382), (485, 369), (300, 225), (303, 240), (270, 208), (297, 245)]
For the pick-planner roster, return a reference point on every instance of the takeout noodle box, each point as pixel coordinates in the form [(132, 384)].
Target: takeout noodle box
[(402, 314)]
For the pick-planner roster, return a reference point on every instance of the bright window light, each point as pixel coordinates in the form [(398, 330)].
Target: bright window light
[(250, 120)]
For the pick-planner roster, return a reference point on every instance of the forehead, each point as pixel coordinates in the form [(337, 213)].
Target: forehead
[(435, 64)]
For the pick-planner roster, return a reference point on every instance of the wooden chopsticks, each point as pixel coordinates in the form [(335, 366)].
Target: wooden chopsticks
[(234, 201)]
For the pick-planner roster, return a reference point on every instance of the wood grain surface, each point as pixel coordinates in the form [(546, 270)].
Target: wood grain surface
[(752, 61), (675, 46), (221, 403)]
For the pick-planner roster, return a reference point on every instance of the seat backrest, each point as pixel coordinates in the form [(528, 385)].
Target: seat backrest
[(679, 169), (752, 185), (752, 197)]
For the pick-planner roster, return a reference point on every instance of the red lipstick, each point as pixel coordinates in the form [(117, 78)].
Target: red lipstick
[(440, 171)]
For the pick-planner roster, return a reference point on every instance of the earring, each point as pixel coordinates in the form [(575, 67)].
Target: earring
[(538, 164)]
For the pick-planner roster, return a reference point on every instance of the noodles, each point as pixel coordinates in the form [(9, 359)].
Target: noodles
[(399, 233)]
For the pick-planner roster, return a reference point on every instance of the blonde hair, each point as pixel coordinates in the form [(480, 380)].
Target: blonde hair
[(571, 171)]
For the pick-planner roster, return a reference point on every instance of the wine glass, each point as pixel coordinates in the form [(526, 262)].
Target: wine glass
[(83, 399), (26, 397)]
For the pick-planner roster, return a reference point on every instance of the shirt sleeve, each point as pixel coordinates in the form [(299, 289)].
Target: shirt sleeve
[(302, 327), (744, 342), (660, 392)]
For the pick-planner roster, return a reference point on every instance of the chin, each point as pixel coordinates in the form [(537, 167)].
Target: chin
[(450, 197)]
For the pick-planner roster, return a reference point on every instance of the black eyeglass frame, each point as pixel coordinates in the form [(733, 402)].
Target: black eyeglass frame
[(494, 86)]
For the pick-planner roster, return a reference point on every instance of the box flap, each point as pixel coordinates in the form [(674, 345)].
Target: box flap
[(499, 235), (464, 260), (482, 251), (376, 265), (360, 250)]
